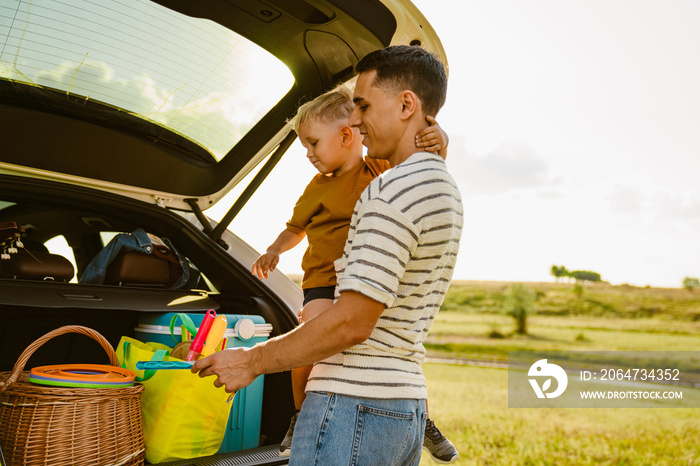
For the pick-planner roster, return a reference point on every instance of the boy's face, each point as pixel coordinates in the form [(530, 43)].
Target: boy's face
[(324, 145), (376, 114)]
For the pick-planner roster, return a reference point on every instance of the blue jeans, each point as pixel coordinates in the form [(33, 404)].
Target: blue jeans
[(335, 429)]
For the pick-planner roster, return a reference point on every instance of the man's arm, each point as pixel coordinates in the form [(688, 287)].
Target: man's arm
[(348, 322)]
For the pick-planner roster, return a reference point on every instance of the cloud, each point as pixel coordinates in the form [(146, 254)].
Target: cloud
[(513, 166), (654, 203), (627, 200), (679, 206)]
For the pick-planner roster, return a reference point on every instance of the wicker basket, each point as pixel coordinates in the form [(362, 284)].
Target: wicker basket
[(46, 425)]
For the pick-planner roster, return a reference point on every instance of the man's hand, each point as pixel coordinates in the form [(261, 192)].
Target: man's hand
[(233, 368)]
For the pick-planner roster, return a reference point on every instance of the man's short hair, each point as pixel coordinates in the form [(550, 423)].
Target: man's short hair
[(401, 67), (334, 105)]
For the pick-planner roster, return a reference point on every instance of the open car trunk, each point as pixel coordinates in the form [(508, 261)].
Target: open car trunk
[(139, 115)]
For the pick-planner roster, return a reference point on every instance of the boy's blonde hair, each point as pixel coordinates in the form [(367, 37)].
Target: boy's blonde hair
[(327, 108)]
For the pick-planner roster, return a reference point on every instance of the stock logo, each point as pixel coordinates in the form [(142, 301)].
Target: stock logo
[(542, 369)]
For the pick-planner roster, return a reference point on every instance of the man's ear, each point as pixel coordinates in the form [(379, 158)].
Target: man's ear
[(410, 103), (348, 135)]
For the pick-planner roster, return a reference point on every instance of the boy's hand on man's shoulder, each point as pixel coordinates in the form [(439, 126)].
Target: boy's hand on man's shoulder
[(433, 138)]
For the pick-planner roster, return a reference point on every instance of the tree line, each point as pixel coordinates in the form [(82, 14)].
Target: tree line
[(559, 272)]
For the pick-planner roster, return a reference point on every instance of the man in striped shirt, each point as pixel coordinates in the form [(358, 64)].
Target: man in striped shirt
[(366, 394)]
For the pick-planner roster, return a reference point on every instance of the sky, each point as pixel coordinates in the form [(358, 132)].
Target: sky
[(574, 138)]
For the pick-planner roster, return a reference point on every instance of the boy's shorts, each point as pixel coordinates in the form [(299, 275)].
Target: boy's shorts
[(321, 292)]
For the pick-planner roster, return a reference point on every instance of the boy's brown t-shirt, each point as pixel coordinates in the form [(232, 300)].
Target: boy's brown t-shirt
[(323, 211)]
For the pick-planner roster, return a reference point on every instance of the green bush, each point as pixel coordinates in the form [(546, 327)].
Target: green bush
[(691, 283), (518, 303)]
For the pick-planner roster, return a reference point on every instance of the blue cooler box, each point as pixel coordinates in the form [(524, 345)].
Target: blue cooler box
[(243, 430)]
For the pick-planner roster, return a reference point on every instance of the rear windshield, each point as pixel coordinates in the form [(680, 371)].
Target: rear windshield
[(188, 75)]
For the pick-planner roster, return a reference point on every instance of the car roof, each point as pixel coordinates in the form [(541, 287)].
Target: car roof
[(70, 72)]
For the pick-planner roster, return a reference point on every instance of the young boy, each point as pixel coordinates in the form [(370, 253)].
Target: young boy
[(323, 214)]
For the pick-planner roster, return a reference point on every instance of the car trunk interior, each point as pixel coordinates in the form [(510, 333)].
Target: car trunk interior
[(110, 311), (32, 308)]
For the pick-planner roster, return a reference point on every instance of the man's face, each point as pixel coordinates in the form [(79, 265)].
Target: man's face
[(376, 114)]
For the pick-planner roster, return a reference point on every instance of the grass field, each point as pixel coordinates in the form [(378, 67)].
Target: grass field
[(470, 404)]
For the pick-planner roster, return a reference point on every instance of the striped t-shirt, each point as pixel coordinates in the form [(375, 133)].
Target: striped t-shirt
[(401, 251)]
